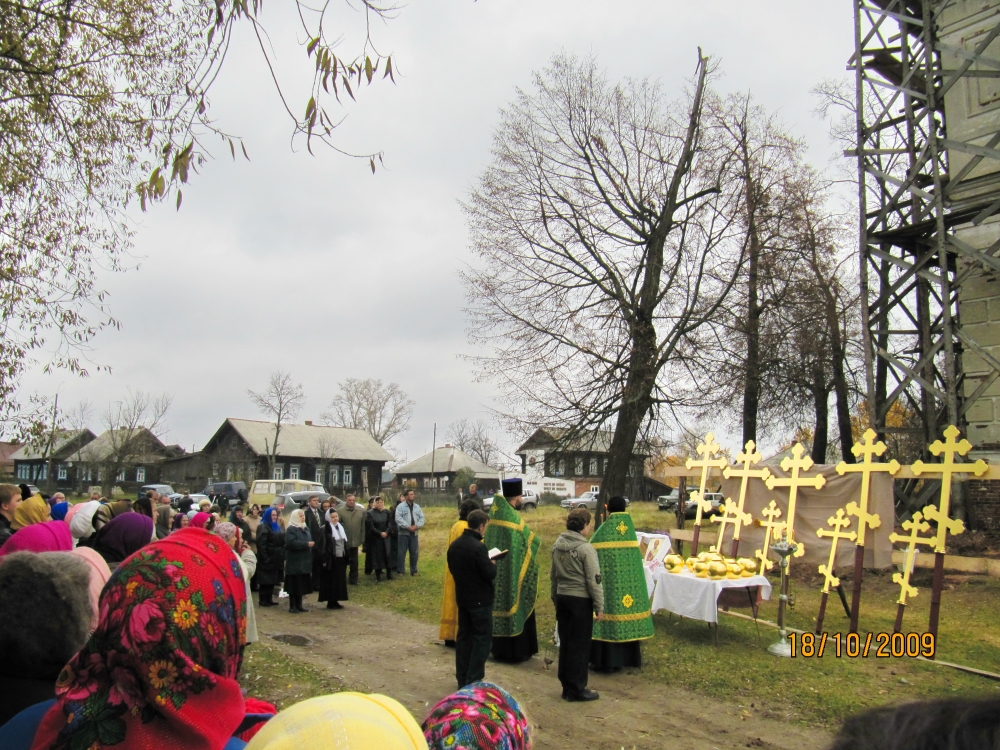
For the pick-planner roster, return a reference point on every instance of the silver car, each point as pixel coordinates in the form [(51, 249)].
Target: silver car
[(587, 500)]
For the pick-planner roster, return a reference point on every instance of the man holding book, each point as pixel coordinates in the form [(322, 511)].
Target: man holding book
[(474, 571)]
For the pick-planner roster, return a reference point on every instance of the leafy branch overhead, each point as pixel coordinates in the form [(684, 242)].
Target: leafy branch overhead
[(181, 149), (102, 101)]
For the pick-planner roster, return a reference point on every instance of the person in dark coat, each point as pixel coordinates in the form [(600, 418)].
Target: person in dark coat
[(474, 573), (314, 522), (333, 575), (270, 556), (45, 618), (378, 540), (298, 560)]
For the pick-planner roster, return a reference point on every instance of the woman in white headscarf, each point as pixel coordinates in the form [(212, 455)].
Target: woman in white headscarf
[(81, 525), (333, 571), (298, 560)]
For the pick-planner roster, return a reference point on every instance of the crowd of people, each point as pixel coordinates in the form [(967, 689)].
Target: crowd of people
[(121, 627), (139, 616)]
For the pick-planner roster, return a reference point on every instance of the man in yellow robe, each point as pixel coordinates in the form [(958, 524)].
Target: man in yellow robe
[(449, 608)]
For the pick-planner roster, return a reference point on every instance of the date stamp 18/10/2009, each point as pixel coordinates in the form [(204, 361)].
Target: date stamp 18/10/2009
[(881, 645)]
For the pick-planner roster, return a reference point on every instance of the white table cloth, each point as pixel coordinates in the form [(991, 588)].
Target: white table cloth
[(687, 595)]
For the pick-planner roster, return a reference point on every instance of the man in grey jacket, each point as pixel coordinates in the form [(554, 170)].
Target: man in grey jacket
[(578, 597), (409, 521), (352, 518)]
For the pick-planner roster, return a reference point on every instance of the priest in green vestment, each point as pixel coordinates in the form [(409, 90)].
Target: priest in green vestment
[(515, 637), (627, 619)]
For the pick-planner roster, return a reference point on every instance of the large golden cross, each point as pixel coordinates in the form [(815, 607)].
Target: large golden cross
[(794, 464), (915, 527), (733, 515), (748, 457), (706, 450), (839, 523), (867, 448), (946, 468), (772, 529)]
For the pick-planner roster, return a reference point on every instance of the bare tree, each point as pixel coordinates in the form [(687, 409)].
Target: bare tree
[(78, 419), (604, 241), (765, 160), (328, 449), (474, 438), (824, 313), (132, 426), (281, 401), (383, 410)]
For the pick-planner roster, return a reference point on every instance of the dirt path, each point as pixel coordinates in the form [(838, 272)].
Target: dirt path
[(412, 668)]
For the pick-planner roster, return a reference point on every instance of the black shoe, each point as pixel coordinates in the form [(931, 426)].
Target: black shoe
[(414, 573), (388, 576), (337, 605), (449, 644), (292, 611), (586, 695)]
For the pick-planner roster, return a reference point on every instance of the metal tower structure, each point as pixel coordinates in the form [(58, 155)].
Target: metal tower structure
[(927, 76)]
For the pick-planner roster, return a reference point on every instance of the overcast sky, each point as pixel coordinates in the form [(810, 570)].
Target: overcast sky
[(312, 265)]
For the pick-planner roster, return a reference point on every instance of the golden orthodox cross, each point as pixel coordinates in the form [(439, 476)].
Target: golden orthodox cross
[(866, 450), (706, 450), (839, 522), (939, 514), (732, 515), (772, 530), (916, 526), (946, 468), (748, 457), (794, 464)]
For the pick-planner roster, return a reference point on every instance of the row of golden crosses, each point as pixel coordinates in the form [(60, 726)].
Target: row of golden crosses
[(866, 450)]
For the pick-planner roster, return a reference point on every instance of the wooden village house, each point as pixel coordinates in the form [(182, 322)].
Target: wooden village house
[(340, 458)]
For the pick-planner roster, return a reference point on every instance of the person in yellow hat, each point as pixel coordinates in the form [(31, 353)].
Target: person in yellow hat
[(343, 721)]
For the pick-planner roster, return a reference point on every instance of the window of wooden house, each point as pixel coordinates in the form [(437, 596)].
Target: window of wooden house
[(294, 472), (562, 467), (578, 466), (140, 474), (62, 472), (279, 472), (593, 467), (348, 476)]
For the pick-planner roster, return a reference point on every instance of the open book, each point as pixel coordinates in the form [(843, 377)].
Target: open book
[(497, 554)]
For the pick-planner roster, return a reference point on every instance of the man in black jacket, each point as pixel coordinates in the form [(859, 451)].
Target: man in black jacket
[(314, 522), (473, 571)]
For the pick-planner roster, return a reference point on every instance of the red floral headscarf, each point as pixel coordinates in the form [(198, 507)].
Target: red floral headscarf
[(160, 670)]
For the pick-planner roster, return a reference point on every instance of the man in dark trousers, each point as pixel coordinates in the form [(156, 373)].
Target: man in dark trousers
[(314, 522), (473, 571)]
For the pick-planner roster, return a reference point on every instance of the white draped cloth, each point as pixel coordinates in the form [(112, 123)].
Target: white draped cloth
[(687, 595)]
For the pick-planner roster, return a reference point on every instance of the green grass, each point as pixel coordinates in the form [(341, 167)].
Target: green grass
[(812, 690), (272, 675)]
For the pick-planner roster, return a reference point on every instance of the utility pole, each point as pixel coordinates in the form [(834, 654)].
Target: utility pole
[(433, 449)]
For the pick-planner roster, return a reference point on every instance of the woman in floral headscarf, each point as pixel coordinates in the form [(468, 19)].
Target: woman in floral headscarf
[(480, 716), (161, 669)]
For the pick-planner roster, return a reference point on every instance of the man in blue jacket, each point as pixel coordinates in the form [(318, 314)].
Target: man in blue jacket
[(409, 520), (473, 571)]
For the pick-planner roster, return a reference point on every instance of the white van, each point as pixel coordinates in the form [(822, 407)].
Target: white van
[(263, 491)]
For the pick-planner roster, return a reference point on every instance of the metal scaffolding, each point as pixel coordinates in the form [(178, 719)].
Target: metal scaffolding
[(920, 192)]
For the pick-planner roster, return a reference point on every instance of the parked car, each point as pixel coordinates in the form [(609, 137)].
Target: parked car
[(264, 491), (301, 498), (717, 500), (229, 490), (587, 500), (529, 500), (175, 499), (669, 501), (163, 489)]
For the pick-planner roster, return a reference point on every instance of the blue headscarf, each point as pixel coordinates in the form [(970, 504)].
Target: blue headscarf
[(269, 519), (59, 511)]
